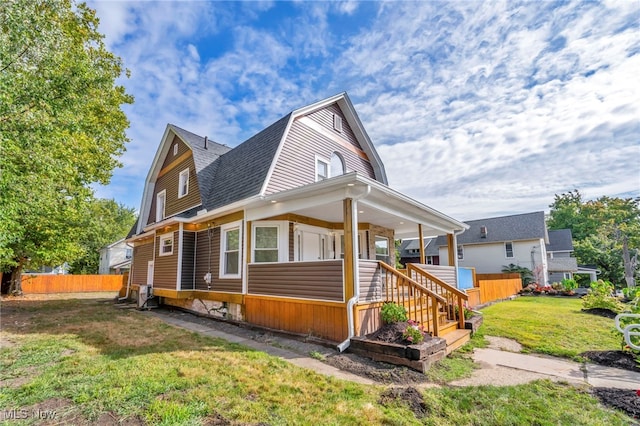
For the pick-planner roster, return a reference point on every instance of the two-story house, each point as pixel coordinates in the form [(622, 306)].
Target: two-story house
[(115, 258), (292, 230)]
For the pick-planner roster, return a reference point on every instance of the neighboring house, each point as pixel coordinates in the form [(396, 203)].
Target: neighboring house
[(522, 239), (410, 251), (284, 231), (115, 258), (48, 270)]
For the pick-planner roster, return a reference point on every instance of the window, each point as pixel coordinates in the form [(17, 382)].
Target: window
[(266, 244), (183, 185), (166, 244), (337, 165), (460, 252), (128, 253), (341, 248), (231, 236), (161, 201), (322, 170), (382, 248), (508, 249), (175, 149), (337, 122)]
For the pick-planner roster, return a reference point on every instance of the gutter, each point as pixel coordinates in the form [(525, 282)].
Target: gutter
[(356, 272)]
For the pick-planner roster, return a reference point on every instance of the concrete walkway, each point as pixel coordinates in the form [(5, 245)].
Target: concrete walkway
[(497, 367)]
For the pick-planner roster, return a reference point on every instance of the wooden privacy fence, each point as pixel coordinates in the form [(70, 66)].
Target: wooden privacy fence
[(39, 284), (497, 286)]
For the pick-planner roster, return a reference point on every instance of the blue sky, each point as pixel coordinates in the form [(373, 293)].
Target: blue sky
[(477, 109)]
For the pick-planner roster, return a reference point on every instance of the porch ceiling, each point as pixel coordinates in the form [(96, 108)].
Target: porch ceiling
[(377, 204)]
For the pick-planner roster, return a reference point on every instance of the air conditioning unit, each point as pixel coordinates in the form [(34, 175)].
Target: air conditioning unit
[(146, 299)]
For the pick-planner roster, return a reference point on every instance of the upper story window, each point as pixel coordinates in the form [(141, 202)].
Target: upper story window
[(175, 149), (161, 201), (337, 165), (322, 169), (231, 238), (337, 122), (508, 249), (166, 244), (128, 253), (183, 184), (460, 252)]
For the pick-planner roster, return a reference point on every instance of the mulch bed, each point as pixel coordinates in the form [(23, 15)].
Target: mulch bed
[(621, 399), (616, 359), (389, 333), (600, 312), (410, 396)]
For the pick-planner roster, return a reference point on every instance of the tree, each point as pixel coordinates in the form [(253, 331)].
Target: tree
[(525, 273), (61, 127), (104, 222), (606, 232)]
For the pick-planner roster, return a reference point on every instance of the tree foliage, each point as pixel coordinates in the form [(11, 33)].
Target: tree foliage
[(61, 126), (104, 222), (606, 233)]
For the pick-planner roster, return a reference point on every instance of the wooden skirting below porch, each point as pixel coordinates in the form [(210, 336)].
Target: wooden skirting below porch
[(326, 320)]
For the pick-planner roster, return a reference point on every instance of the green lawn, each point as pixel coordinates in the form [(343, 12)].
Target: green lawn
[(550, 325), (91, 362)]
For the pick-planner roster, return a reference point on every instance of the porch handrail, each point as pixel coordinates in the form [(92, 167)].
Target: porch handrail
[(454, 297), (415, 296)]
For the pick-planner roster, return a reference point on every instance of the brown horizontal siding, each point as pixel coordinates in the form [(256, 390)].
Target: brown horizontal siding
[(188, 258), (370, 283), (165, 268), (169, 182), (327, 321), (306, 280), (202, 264), (141, 256), (170, 158), (296, 164)]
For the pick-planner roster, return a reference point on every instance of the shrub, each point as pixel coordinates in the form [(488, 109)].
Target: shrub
[(631, 293), (600, 297), (569, 285), (392, 312), (414, 333)]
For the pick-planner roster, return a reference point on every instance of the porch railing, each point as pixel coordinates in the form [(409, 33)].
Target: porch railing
[(422, 305), (454, 298)]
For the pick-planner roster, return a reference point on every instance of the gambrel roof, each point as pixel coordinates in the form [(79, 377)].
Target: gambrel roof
[(226, 175)]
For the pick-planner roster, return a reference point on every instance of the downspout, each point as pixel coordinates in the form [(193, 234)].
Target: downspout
[(356, 271), (126, 296), (455, 257)]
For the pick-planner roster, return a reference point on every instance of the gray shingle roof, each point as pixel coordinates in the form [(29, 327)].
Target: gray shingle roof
[(431, 249), (516, 227), (241, 172), (560, 240)]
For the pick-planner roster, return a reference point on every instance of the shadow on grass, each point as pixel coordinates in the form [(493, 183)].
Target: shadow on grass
[(115, 333)]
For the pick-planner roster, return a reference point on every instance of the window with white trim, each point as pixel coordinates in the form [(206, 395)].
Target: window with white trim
[(183, 184), (166, 244), (322, 169), (175, 149), (161, 201), (337, 167), (508, 249), (382, 248), (340, 250), (460, 252), (270, 241), (230, 242)]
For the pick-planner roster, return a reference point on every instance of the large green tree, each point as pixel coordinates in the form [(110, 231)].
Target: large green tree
[(606, 233), (61, 127), (104, 222)]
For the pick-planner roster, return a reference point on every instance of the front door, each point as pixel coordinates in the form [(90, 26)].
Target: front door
[(312, 243)]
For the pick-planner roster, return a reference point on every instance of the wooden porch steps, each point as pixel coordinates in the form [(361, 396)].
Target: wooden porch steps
[(456, 338)]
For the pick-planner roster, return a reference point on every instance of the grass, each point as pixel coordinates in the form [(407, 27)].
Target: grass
[(550, 325), (86, 359)]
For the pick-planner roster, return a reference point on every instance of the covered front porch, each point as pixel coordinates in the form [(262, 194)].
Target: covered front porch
[(340, 266)]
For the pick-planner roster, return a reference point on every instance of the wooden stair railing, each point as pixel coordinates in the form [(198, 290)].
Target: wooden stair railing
[(454, 297), (416, 299)]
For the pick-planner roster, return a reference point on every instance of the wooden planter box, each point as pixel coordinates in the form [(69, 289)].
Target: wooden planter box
[(418, 357)]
